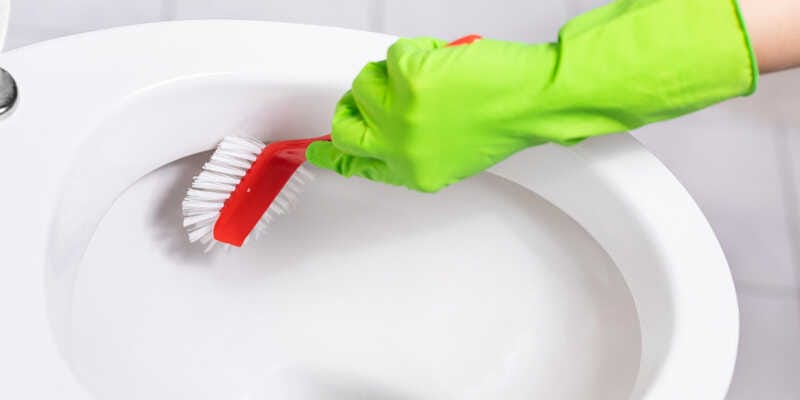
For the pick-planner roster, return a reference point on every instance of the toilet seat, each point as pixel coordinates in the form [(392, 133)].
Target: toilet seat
[(55, 153)]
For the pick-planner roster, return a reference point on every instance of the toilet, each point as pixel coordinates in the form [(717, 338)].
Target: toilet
[(582, 272)]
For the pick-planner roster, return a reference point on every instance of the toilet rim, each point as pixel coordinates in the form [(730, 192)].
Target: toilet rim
[(632, 188)]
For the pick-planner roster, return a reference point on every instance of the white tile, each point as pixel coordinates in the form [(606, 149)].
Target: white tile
[(523, 20), (349, 14), (728, 157), (24, 37), (75, 16), (769, 349)]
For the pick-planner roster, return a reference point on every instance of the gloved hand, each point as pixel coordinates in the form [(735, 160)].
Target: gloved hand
[(431, 115)]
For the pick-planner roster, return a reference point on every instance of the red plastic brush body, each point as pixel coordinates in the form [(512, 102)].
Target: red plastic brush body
[(259, 187)]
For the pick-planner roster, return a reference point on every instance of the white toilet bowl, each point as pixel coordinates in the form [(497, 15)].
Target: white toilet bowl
[(564, 273)]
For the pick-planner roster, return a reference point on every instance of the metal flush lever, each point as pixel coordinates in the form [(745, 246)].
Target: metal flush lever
[(8, 91)]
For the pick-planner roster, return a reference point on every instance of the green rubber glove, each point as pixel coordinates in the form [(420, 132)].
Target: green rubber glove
[(430, 115)]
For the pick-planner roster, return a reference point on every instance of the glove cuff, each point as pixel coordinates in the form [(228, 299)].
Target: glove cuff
[(634, 62)]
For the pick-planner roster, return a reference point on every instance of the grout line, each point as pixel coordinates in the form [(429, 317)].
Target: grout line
[(791, 193), (169, 10), (376, 14)]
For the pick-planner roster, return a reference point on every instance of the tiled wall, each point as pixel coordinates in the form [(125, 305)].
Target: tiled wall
[(740, 160)]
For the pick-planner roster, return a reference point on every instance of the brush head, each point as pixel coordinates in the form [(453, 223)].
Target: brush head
[(229, 183)]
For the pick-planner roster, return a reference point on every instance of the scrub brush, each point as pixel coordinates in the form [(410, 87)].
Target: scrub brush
[(243, 187), (246, 184)]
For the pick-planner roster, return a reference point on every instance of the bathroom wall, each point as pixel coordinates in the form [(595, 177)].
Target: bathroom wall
[(746, 177)]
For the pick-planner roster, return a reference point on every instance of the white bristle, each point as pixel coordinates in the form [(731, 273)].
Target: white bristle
[(304, 173), (246, 144), (290, 194), (198, 218), (205, 195), (207, 176), (196, 207), (294, 186), (238, 155), (283, 202), (218, 187), (200, 232), (222, 169), (218, 179), (276, 208), (224, 159), (207, 239)]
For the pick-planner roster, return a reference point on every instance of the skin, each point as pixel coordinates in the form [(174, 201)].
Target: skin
[(774, 28)]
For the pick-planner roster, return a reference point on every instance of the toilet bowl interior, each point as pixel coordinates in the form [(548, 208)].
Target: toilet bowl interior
[(365, 291)]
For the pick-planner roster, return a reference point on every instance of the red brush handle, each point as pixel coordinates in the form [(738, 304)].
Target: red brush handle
[(264, 181), (259, 187)]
